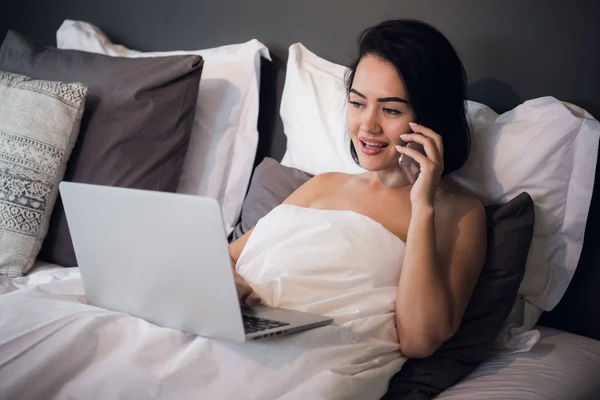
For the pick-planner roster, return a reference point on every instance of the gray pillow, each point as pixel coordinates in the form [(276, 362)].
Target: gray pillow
[(39, 124), (135, 128), (271, 184), (510, 231)]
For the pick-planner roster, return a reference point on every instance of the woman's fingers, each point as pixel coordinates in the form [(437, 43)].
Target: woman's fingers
[(245, 293), (430, 133), (425, 163), (431, 142), (425, 131), (429, 145), (412, 153), (252, 299)]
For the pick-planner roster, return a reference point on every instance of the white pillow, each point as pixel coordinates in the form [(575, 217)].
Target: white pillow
[(313, 111), (545, 147), (224, 136)]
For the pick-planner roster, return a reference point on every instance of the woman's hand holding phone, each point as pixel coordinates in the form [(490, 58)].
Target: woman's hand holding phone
[(430, 161)]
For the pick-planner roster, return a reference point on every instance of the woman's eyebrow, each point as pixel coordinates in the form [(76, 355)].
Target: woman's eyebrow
[(381, 100)]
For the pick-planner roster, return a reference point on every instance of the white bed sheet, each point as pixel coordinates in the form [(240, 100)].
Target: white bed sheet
[(561, 366), (42, 272)]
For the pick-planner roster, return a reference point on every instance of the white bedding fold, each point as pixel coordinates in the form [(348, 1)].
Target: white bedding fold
[(42, 272)]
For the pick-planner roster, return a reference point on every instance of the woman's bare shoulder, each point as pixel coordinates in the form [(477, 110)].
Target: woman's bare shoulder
[(317, 186)]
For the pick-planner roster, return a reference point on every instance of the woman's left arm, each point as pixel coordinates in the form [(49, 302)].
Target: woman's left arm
[(441, 263)]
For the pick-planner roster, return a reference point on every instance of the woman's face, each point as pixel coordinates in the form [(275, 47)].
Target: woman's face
[(378, 113)]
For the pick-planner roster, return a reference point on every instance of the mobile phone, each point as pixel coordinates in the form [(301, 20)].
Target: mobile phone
[(409, 166)]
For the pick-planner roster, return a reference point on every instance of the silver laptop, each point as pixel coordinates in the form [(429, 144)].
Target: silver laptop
[(164, 257)]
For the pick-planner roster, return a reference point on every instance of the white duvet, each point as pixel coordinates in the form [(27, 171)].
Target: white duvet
[(53, 345)]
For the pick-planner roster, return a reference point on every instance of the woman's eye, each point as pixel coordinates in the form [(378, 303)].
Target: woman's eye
[(391, 111), (355, 104)]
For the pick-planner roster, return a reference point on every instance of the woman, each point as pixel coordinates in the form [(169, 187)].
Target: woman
[(407, 85)]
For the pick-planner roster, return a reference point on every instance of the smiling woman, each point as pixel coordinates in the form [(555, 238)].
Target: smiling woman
[(406, 72)]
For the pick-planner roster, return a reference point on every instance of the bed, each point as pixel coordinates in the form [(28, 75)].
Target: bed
[(549, 345), (561, 365)]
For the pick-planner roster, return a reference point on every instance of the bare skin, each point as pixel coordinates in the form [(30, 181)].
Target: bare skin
[(444, 231)]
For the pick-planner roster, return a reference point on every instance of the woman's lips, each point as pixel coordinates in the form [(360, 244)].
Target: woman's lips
[(372, 147)]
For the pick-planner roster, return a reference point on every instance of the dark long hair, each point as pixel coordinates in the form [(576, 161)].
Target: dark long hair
[(434, 77)]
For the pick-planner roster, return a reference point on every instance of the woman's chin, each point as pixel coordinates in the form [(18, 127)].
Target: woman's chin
[(373, 165)]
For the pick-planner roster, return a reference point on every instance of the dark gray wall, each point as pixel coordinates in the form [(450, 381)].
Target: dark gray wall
[(539, 47)]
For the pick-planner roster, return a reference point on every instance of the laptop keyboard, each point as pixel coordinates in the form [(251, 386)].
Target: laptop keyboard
[(255, 324)]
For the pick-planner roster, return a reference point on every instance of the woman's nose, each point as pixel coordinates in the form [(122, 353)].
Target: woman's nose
[(370, 123)]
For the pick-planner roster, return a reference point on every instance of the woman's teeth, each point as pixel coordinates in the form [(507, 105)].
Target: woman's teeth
[(373, 144)]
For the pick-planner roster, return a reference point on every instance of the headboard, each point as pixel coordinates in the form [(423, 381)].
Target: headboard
[(512, 51)]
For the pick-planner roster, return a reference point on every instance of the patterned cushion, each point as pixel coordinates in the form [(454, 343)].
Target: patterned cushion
[(39, 124)]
